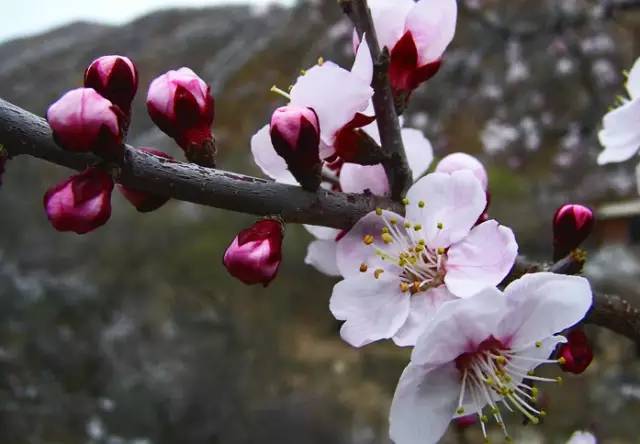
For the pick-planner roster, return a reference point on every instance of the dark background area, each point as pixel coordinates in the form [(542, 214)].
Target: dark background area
[(135, 333)]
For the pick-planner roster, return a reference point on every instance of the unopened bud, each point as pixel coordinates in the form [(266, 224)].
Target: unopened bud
[(115, 78), (81, 203), (576, 354), (572, 224), (255, 254), (180, 104), (82, 120), (295, 135), (143, 201)]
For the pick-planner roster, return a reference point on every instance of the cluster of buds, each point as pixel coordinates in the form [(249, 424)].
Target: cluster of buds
[(572, 224)]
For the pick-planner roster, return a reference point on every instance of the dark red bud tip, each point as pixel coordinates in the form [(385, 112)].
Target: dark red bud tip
[(82, 120), (180, 104), (81, 203), (255, 254), (295, 135), (115, 78), (572, 224), (145, 202), (576, 354)]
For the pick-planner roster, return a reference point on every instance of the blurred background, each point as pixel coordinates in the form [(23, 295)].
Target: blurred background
[(135, 334)]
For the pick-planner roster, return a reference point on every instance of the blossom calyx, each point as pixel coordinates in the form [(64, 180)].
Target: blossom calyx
[(572, 224), (81, 203), (82, 120), (255, 254), (145, 202), (295, 134), (180, 104), (576, 354), (115, 78)]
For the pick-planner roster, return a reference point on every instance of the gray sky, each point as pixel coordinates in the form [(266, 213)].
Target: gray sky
[(25, 17)]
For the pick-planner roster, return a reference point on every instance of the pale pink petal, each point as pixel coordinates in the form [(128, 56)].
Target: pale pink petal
[(620, 135), (352, 251), (324, 233), (363, 65), (452, 205), (542, 304), (462, 161), (267, 159), (373, 308), (359, 178), (321, 254), (334, 93), (482, 259), (633, 82), (423, 308), (418, 150), (389, 17), (472, 320), (582, 438), (432, 24), (423, 404)]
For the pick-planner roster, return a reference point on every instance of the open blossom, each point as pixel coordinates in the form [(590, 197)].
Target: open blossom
[(620, 134), (145, 202), (572, 224), (399, 271), (417, 34), (81, 203), (115, 78), (83, 120), (582, 438), (254, 255), (477, 356)]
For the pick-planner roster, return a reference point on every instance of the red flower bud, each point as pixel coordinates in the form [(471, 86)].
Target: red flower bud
[(81, 203), (145, 202), (576, 354), (295, 134), (572, 224), (115, 78), (83, 120), (3, 162), (181, 105), (255, 254)]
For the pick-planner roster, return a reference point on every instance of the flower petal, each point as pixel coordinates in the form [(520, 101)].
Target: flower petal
[(267, 159), (373, 308), (363, 65), (423, 404), (452, 201), (542, 304), (432, 24), (356, 178), (481, 259), (324, 233), (389, 17), (418, 150), (423, 308), (620, 135), (582, 438), (321, 254), (633, 82)]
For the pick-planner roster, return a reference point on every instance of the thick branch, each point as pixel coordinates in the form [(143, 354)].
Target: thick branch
[(24, 133), (396, 166)]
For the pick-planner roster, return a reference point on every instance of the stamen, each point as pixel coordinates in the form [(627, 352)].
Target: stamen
[(368, 239), (275, 89), (363, 267), (378, 272)]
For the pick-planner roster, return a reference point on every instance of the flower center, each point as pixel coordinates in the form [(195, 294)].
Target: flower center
[(499, 377), (419, 266)]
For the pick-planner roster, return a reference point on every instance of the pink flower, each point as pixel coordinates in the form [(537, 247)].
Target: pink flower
[(81, 203), (115, 78), (180, 104), (145, 202), (82, 120), (462, 161), (295, 135), (398, 271), (576, 353), (255, 254), (572, 224), (475, 354), (417, 35)]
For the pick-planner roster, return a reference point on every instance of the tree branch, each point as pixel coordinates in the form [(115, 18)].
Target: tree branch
[(24, 133), (396, 165)]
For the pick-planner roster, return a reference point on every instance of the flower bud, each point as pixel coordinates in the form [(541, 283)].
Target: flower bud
[(255, 254), (180, 104), (115, 78), (82, 120), (572, 224), (3, 162), (461, 161), (143, 201), (295, 134), (81, 203), (576, 353)]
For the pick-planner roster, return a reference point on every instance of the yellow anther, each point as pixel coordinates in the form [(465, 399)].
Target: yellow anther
[(387, 238), (379, 211), (441, 251), (501, 360), (440, 225), (460, 410), (534, 392), (320, 61), (393, 221), (562, 360), (417, 227), (405, 201), (368, 239), (489, 381), (538, 344), (363, 267), (531, 373), (484, 419), (407, 225), (543, 413), (506, 378), (419, 248), (422, 242), (534, 420), (559, 380), (416, 286), (404, 287), (494, 410), (385, 230), (378, 272), (421, 204), (303, 72)]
